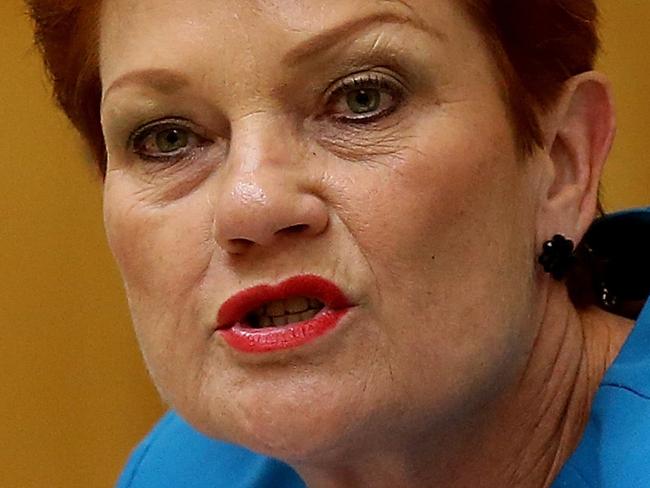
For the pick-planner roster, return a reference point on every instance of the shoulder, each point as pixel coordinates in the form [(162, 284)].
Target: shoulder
[(173, 454), (615, 449)]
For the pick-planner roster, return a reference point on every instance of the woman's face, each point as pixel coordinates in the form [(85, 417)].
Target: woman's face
[(252, 141)]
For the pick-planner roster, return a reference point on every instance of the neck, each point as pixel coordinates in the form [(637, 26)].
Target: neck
[(525, 436)]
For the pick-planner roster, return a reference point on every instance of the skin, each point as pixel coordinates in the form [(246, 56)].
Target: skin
[(462, 360)]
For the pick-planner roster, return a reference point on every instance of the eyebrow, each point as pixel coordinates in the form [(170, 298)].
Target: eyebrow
[(160, 79), (168, 81), (340, 33)]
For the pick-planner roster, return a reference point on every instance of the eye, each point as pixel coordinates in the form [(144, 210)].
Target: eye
[(363, 101), (365, 98), (172, 140), (166, 140)]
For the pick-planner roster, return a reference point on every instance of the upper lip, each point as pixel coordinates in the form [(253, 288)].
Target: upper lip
[(242, 303)]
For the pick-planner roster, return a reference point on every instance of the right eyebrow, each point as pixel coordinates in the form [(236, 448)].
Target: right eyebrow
[(162, 80), (337, 35)]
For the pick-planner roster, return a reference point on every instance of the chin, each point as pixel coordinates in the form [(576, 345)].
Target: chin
[(297, 427)]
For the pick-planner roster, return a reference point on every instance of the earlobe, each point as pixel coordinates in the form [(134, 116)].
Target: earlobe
[(579, 133)]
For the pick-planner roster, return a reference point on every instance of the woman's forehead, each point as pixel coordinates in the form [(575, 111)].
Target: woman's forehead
[(295, 15), (230, 31), (260, 18)]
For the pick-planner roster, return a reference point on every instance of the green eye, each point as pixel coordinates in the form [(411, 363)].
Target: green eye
[(364, 101), (365, 98), (171, 140), (166, 140)]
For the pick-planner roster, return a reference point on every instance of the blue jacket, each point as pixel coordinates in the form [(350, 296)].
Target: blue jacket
[(613, 453)]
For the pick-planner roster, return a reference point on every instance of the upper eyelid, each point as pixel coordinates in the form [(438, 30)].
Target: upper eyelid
[(364, 76), (393, 87)]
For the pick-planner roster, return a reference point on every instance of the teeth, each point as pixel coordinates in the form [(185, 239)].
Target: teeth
[(267, 321), (293, 318), (275, 309), (296, 304), (280, 320), (289, 311), (292, 305), (309, 314)]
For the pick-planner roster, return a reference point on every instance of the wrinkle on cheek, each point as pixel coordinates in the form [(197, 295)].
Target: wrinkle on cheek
[(168, 340), (208, 241), (376, 373), (127, 230), (169, 185), (141, 241), (359, 146), (212, 209), (356, 226)]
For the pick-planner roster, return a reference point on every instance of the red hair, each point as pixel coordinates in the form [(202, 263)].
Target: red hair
[(537, 44), (66, 32)]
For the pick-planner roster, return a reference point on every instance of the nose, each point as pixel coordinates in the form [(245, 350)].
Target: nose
[(262, 199)]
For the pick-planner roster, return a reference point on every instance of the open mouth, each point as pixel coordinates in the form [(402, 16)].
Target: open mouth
[(294, 312), (284, 312)]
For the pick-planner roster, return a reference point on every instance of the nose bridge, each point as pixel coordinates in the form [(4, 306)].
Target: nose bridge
[(261, 195), (260, 138)]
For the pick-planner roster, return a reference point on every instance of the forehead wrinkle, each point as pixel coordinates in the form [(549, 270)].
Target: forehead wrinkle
[(401, 2), (330, 37)]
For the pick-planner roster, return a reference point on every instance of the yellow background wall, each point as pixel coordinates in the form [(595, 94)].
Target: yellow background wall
[(74, 395)]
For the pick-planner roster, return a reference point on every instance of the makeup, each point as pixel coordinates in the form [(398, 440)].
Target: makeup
[(269, 318)]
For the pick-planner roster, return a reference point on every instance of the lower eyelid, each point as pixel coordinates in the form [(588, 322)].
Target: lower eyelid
[(367, 120), (172, 159)]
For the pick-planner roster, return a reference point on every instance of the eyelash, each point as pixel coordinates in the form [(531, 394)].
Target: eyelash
[(368, 81), (138, 139), (374, 81)]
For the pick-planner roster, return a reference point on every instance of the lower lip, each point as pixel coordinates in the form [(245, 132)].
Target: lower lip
[(269, 339)]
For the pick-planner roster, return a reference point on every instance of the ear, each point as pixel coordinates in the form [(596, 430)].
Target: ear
[(578, 134)]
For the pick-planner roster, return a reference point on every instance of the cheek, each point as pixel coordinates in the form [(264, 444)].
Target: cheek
[(456, 187), (163, 254), (160, 249), (453, 211)]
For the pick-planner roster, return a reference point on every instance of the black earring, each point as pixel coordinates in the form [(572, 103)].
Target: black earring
[(558, 256)]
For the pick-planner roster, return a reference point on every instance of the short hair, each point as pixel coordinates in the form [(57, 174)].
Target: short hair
[(537, 46)]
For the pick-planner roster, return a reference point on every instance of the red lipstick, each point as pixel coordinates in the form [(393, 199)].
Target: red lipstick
[(234, 325)]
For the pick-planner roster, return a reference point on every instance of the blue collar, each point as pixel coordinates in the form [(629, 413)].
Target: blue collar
[(632, 365)]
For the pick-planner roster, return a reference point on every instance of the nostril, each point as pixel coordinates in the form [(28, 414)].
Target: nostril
[(293, 229)]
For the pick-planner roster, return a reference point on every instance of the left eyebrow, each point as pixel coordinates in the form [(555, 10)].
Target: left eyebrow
[(337, 35)]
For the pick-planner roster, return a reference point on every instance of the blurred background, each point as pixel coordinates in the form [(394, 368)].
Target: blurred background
[(74, 395)]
